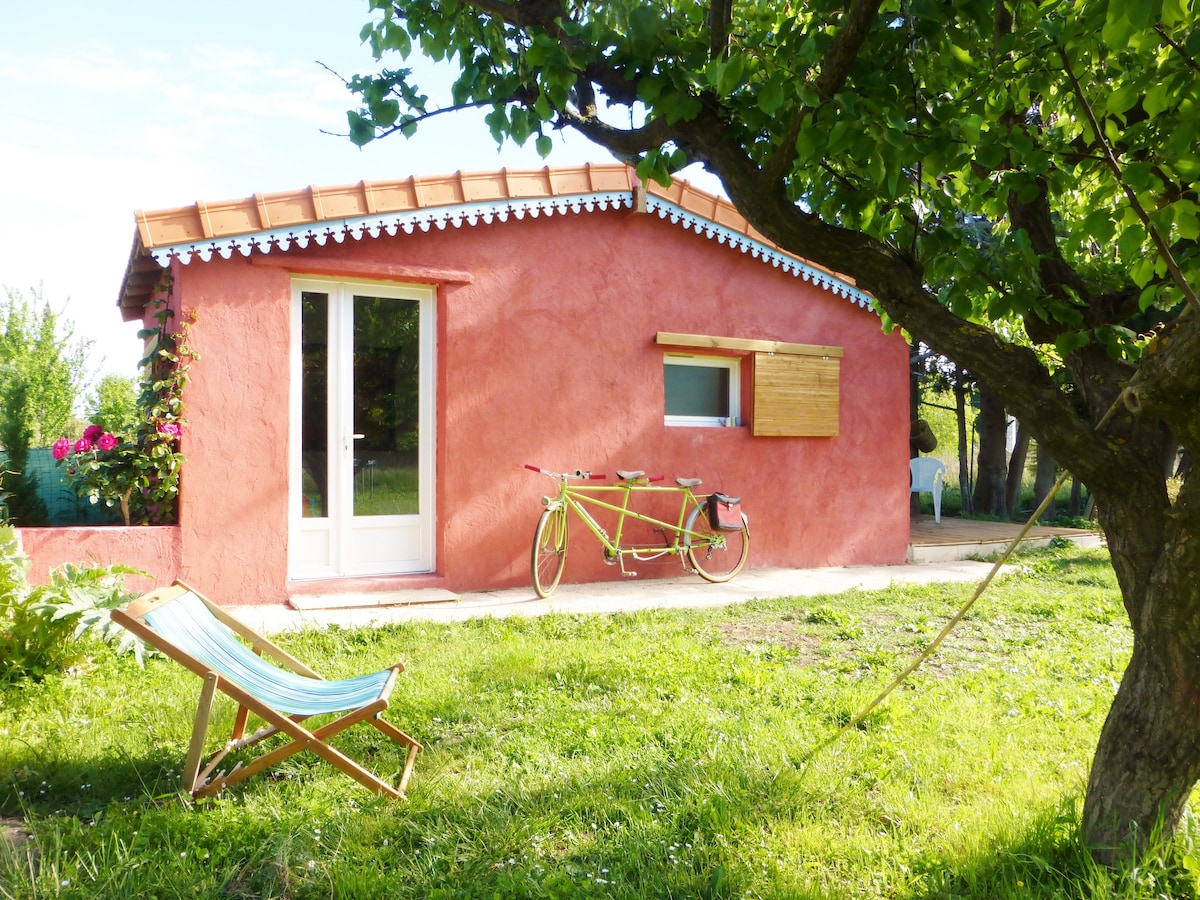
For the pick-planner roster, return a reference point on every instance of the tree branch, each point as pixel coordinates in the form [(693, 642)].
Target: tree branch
[(1172, 266), (522, 13), (843, 49), (625, 143), (720, 15), (1177, 47), (845, 46)]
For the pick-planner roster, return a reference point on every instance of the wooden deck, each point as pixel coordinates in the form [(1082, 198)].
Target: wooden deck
[(964, 538)]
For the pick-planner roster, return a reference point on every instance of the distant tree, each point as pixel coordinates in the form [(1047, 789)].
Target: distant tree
[(43, 352), (1047, 475), (993, 466), (114, 405), (22, 504)]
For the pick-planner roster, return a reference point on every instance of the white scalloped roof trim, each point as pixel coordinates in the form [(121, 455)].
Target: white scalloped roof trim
[(337, 230), (757, 249)]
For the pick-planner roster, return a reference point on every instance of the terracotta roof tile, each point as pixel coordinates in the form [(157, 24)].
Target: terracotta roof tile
[(204, 225)]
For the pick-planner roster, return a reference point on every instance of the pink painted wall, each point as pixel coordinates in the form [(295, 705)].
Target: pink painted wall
[(233, 514), (547, 356), (155, 550)]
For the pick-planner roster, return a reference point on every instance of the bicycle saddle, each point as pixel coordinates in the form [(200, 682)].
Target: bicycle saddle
[(629, 476), (688, 482)]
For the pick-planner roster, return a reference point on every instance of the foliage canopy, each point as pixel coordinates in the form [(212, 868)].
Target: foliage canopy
[(1012, 180)]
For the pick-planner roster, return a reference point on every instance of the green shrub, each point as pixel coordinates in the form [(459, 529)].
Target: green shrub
[(44, 628)]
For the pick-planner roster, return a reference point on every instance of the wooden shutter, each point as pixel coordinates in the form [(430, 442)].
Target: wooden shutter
[(796, 395)]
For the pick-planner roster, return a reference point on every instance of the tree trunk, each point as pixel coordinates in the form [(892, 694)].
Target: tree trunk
[(1148, 755), (993, 428), (1016, 471), (964, 456), (1047, 477)]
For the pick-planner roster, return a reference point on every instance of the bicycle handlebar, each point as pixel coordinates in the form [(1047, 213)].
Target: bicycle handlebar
[(579, 473), (563, 476)]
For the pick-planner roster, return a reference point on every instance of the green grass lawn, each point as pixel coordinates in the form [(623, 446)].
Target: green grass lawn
[(658, 754)]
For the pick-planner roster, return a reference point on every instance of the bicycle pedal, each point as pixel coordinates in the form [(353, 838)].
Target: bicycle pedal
[(628, 574)]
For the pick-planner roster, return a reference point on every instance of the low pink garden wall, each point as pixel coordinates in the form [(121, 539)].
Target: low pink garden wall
[(156, 550)]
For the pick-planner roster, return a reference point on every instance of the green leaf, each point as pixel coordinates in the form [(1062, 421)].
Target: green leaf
[(1148, 297), (678, 106), (649, 89), (809, 144), (1142, 271), (1070, 341), (386, 113), (645, 23), (519, 124), (960, 53), (990, 154), (729, 76), (1173, 12), (1187, 219), (1157, 99), (1121, 99), (969, 127), (1186, 166), (1117, 27), (770, 98), (1099, 225), (361, 131)]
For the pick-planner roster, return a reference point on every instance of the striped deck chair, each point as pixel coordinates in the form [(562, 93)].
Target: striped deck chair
[(232, 658)]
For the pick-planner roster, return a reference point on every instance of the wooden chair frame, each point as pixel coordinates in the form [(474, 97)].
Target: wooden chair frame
[(249, 686)]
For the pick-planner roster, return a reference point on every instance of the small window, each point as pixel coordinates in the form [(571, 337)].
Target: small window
[(701, 390)]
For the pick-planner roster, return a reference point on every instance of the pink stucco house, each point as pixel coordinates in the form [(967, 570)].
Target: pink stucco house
[(380, 360)]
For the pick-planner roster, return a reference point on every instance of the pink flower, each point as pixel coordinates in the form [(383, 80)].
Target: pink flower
[(83, 445), (171, 428), (107, 441), (92, 432), (61, 448)]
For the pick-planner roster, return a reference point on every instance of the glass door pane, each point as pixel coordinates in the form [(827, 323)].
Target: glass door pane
[(314, 412), (386, 403)]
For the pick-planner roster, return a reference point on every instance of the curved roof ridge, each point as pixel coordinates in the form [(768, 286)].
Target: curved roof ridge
[(368, 208)]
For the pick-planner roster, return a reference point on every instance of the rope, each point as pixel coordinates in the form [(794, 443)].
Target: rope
[(854, 722)]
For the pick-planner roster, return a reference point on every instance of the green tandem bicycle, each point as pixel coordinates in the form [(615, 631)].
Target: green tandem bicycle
[(711, 534)]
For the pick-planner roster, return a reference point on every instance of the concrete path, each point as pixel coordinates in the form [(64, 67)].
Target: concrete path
[(621, 596)]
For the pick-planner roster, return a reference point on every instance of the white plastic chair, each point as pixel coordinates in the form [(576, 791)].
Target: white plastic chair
[(927, 474)]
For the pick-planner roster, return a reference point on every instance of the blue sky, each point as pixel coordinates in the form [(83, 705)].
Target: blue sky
[(107, 108)]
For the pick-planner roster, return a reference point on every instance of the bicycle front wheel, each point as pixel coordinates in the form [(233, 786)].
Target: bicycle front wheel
[(549, 551), (715, 555)]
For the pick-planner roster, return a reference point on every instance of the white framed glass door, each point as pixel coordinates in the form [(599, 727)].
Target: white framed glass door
[(362, 429)]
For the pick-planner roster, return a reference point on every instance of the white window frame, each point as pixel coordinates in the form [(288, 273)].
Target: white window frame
[(733, 365)]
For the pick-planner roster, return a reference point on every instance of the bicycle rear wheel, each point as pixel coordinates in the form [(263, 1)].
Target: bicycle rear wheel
[(549, 551), (715, 555)]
